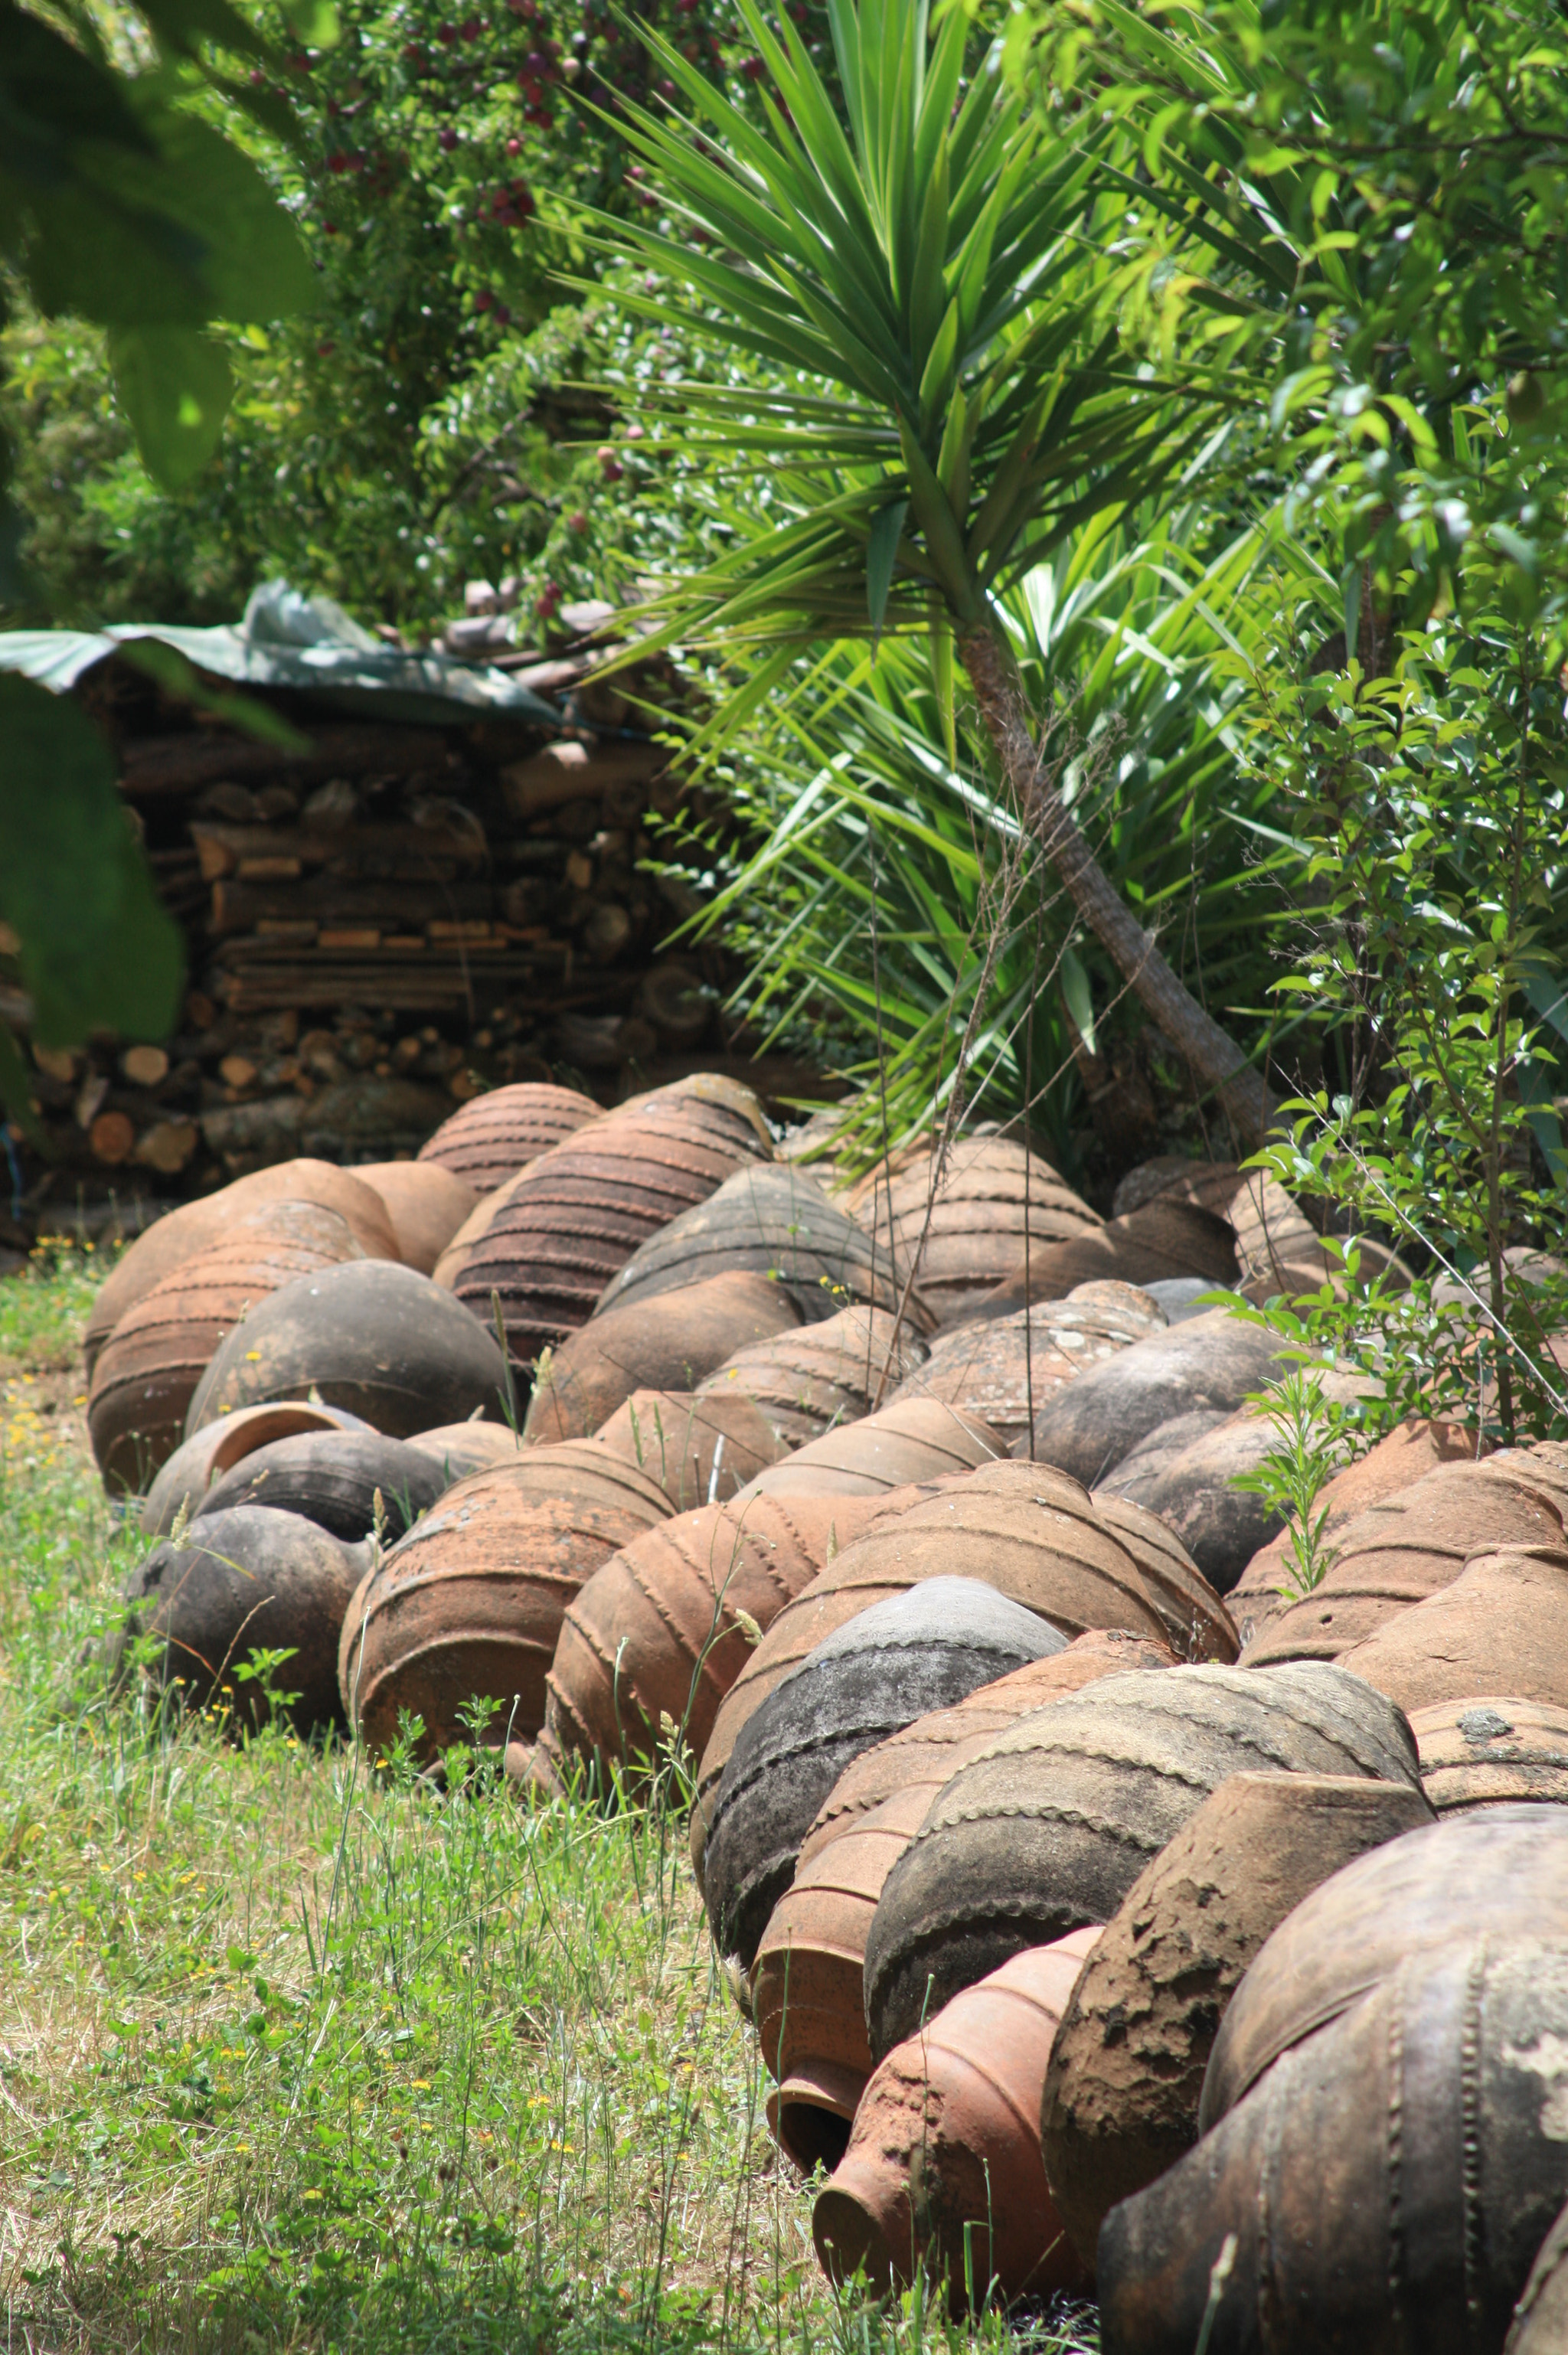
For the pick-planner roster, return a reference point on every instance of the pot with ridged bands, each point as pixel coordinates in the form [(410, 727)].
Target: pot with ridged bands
[(1213, 1362), (242, 1581), (808, 1981), (775, 1221), (1488, 1748), (217, 1447), (657, 1632), (150, 1367), (944, 2163), (966, 1219), (811, 1381), (917, 1651), (701, 1451), (491, 1137), (672, 1342), (1121, 2096), (1387, 2185), (1409, 1546), (1003, 1368), (1504, 1619), (1029, 1532), (1049, 1829), (469, 1606), (1163, 1239), (1503, 1868), (334, 1478), (556, 1233), (379, 1339), (425, 1203), (921, 1440)]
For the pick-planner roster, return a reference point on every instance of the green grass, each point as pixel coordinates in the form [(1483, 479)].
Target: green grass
[(294, 2058)]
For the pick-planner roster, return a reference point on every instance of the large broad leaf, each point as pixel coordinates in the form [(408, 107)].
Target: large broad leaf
[(97, 951), (175, 386)]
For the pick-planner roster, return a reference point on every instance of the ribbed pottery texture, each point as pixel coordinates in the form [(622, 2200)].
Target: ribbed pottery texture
[(917, 1651), (151, 1365), (1503, 1869), (1212, 1361), (470, 1605), (1004, 1369), (425, 1203), (1503, 1620), (463, 1448), (775, 1221), (209, 1453), (491, 1137), (809, 1381), (1165, 1239), (701, 1451), (164, 1248), (334, 1478), (558, 1232), (656, 1633), (1121, 2096), (966, 1223), (381, 1340), (242, 1581), (1051, 1827), (1387, 2185), (668, 1343), (1488, 1748), (918, 1440), (944, 2163)]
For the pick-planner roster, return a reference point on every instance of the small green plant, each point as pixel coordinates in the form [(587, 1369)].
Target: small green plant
[(1317, 1438)]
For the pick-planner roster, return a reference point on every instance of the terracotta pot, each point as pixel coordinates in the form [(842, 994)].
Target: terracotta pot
[(1281, 1254), (163, 1249), (1400, 1552), (776, 1222), (149, 1369), (668, 1343), (214, 1450), (491, 1137), (921, 1440), (808, 1983), (1503, 1869), (1122, 2092), (1049, 1829), (471, 1602), (334, 1478), (1541, 2317), (382, 1340), (973, 1234), (1388, 2184), (1166, 1238), (700, 1451), (558, 1232), (464, 1448), (1482, 1749), (1003, 1370), (242, 1581), (1032, 1534), (1212, 1184), (914, 1652), (1214, 1361), (812, 1381), (944, 2163), (1407, 1455), (425, 1203), (657, 1634), (1504, 1621)]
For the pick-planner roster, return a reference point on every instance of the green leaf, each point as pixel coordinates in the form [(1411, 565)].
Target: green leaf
[(881, 555), (97, 951), (941, 681), (174, 386), (1080, 1002), (16, 1089)]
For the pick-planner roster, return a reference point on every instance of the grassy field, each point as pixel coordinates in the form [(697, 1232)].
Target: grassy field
[(294, 2058)]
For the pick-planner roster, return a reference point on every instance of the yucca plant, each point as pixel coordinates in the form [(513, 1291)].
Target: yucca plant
[(926, 273)]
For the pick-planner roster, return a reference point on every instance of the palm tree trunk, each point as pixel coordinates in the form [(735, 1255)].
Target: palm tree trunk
[(1212, 1054)]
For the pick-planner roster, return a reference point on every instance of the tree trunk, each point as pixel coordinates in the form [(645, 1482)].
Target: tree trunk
[(1215, 1060)]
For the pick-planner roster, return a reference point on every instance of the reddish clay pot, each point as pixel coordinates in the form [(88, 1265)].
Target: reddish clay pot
[(1122, 2092), (425, 1203), (559, 1230), (672, 1342), (812, 1381), (464, 1448), (1003, 1368), (700, 1451), (1394, 1464), (921, 1440), (657, 1634), (1483, 1750), (209, 1453), (1388, 2184), (1212, 1185), (943, 2160), (1400, 1552), (1504, 1620), (1168, 1237), (148, 1370), (471, 1603), (493, 1136), (168, 1246), (970, 1233)]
